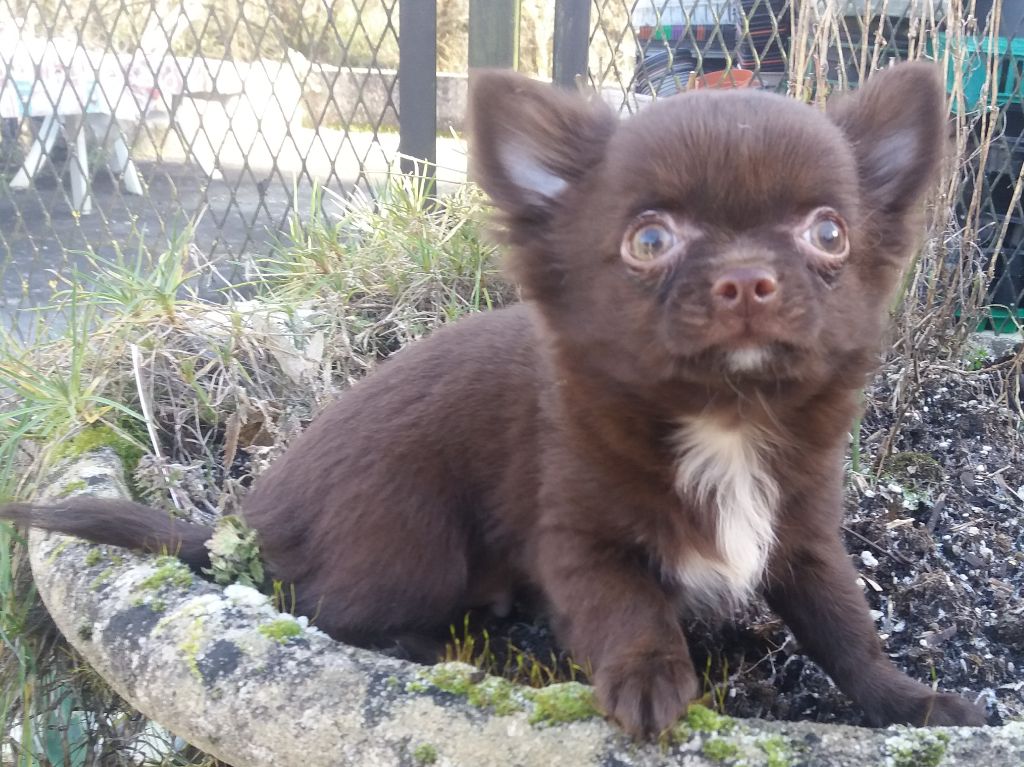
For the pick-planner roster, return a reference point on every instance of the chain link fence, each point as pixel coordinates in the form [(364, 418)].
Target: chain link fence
[(127, 126)]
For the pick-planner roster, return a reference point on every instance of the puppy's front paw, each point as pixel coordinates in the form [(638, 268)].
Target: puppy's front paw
[(646, 693)]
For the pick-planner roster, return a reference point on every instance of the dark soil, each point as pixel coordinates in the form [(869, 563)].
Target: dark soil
[(937, 533)]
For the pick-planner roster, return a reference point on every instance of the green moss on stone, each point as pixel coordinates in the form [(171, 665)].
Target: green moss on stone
[(917, 748), (417, 685), (497, 694), (720, 750), (57, 551), (95, 437), (169, 572), (776, 751), (702, 719), (76, 486), (94, 557), (424, 754), (456, 678), (564, 702), (281, 630), (156, 605), (567, 702), (102, 578)]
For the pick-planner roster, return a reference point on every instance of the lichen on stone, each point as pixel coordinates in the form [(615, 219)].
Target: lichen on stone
[(191, 645), (170, 571), (234, 554), (424, 753)]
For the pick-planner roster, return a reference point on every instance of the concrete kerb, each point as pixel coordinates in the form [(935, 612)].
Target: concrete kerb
[(221, 668)]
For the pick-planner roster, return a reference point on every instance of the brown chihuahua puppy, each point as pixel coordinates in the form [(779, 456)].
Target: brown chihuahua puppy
[(658, 430)]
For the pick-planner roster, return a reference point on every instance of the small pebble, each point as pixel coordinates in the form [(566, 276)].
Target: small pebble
[(868, 559)]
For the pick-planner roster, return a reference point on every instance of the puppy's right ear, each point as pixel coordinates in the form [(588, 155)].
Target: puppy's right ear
[(531, 142)]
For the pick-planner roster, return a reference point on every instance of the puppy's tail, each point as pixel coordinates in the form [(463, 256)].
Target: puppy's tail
[(117, 523)]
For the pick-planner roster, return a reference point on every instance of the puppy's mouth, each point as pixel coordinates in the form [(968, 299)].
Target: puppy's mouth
[(754, 362), (758, 352)]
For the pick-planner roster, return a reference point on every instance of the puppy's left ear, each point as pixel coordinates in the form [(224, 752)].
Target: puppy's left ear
[(896, 123)]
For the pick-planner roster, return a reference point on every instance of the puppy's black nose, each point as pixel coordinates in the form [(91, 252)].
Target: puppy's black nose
[(745, 290)]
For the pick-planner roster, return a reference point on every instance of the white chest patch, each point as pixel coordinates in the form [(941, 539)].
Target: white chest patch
[(746, 360), (724, 469)]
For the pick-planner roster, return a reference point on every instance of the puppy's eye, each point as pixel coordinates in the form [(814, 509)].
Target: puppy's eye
[(649, 239), (827, 233)]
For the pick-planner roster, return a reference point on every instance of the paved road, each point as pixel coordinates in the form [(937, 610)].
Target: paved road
[(39, 234)]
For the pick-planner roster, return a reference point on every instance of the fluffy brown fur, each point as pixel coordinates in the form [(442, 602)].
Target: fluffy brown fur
[(658, 428)]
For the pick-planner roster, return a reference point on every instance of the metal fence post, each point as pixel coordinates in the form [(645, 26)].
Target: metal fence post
[(417, 83), (572, 41), (494, 33)]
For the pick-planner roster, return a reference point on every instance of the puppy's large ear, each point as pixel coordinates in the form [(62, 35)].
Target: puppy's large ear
[(530, 143), (897, 126)]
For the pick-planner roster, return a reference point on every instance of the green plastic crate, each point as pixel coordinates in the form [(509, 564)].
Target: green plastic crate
[(1002, 321), (974, 68)]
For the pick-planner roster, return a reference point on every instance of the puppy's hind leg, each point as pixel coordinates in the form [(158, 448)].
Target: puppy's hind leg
[(397, 590)]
